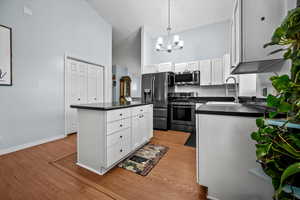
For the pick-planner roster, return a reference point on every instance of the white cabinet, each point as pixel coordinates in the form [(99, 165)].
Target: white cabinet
[(166, 67), (84, 83), (217, 74), (148, 69), (107, 137), (192, 66), (253, 24), (180, 67), (205, 72), (142, 125)]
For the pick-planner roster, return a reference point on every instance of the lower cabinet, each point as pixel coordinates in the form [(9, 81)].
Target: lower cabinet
[(107, 137)]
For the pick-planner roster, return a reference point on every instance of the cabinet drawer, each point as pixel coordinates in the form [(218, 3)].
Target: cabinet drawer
[(118, 146), (141, 109), (118, 137), (114, 153), (115, 126), (116, 115)]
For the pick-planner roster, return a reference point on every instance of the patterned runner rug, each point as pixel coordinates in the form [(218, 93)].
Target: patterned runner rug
[(145, 159)]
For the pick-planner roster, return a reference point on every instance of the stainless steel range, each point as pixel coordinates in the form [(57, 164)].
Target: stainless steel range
[(182, 113)]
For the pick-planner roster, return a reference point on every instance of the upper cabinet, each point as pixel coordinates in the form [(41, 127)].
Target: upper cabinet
[(217, 68), (205, 72), (166, 67), (253, 24)]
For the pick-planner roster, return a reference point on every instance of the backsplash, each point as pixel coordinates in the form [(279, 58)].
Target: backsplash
[(263, 80), (206, 90)]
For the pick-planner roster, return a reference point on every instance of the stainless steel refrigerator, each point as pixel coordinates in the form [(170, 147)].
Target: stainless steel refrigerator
[(155, 88)]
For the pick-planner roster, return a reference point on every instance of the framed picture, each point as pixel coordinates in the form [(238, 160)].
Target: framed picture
[(5, 56)]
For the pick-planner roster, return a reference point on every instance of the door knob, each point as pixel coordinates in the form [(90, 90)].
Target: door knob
[(121, 150)]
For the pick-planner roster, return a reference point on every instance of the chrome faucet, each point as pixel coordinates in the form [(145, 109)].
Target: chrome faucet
[(235, 87)]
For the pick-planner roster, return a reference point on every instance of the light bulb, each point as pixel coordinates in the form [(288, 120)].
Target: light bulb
[(169, 48), (157, 47), (160, 41), (176, 39), (181, 44)]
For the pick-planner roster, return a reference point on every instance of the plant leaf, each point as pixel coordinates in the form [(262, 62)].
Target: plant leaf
[(288, 172), (260, 122), (273, 114), (284, 107)]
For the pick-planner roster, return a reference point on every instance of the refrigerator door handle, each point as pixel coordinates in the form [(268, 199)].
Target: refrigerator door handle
[(153, 89)]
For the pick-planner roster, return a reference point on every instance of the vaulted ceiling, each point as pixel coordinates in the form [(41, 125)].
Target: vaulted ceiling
[(127, 16)]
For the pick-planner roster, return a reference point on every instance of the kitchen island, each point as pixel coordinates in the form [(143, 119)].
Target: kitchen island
[(110, 132), (226, 153)]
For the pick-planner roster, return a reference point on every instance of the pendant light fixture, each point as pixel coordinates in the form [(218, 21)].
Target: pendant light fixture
[(171, 45)]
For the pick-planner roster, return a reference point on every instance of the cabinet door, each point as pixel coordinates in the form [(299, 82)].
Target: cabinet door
[(136, 131), (260, 20), (193, 66), (180, 67), (205, 72), (217, 72), (237, 33), (166, 67)]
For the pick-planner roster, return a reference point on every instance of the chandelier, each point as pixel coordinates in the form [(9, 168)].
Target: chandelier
[(175, 44)]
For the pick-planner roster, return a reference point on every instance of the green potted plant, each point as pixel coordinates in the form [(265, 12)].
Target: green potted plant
[(278, 147)]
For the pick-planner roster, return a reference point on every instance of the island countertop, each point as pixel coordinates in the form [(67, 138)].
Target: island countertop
[(233, 110), (108, 106)]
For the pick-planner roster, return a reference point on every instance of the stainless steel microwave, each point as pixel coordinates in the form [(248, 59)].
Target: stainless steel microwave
[(187, 78)]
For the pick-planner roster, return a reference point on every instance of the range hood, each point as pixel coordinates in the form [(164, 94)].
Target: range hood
[(262, 66)]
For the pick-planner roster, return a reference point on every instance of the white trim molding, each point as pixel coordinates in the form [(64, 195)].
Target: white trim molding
[(30, 144)]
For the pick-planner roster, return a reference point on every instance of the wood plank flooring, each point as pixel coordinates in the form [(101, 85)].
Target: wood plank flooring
[(29, 174)]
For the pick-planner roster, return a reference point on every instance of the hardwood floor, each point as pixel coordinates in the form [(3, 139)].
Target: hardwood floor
[(30, 174)]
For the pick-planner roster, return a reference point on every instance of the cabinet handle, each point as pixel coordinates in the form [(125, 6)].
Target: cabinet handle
[(121, 150), (78, 99), (95, 98), (121, 125), (121, 114), (121, 136), (141, 110)]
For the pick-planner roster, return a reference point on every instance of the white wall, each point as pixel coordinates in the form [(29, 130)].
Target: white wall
[(204, 42), (128, 54), (33, 108)]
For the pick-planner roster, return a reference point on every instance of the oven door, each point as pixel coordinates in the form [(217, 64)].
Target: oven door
[(182, 114)]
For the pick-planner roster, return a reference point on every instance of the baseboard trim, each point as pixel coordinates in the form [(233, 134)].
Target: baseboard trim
[(30, 144)]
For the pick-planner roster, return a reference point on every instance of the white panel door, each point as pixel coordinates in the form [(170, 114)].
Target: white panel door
[(82, 83), (205, 72), (100, 85), (74, 96), (92, 84), (217, 72)]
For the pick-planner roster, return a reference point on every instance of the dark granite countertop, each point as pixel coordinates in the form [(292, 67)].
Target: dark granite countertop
[(108, 106), (232, 110)]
